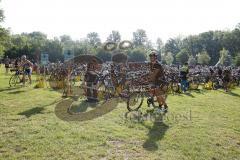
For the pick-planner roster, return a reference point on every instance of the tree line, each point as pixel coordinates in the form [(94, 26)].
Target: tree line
[(208, 48)]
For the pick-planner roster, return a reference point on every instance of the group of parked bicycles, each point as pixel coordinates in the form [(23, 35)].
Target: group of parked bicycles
[(129, 81)]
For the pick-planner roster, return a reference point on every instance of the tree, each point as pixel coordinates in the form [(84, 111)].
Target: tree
[(225, 57), (83, 47), (237, 60), (160, 46), (54, 48), (4, 36), (192, 61), (93, 39), (4, 40), (15, 52), (137, 55), (173, 46), (1, 15), (223, 54), (67, 42), (114, 37), (235, 41), (139, 37), (149, 45), (211, 43), (19, 40), (105, 56), (38, 39), (192, 44), (238, 26), (203, 58), (168, 58), (228, 60), (65, 38), (182, 56)]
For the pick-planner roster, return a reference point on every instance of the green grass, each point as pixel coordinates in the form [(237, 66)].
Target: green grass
[(30, 129)]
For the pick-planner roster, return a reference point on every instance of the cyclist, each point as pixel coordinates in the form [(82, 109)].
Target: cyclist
[(27, 69), (157, 82), (17, 63)]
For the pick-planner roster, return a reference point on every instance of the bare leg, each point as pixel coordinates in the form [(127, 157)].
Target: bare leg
[(7, 69), (23, 79), (30, 78), (161, 100)]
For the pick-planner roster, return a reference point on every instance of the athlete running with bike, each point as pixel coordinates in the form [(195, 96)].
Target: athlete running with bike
[(157, 82), (27, 69)]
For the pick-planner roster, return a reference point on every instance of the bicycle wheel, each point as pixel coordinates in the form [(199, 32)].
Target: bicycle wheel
[(135, 101), (14, 80)]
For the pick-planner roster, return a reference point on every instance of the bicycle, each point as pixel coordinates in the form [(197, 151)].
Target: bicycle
[(137, 90), (15, 78)]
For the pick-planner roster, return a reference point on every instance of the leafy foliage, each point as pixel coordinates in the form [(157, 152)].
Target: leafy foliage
[(237, 60), (139, 37), (203, 58), (192, 61), (137, 55), (182, 56), (168, 58), (114, 37)]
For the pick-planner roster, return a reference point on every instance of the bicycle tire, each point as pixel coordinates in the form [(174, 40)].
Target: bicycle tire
[(135, 104), (14, 80)]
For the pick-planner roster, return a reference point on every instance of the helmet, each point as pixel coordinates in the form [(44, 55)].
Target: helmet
[(24, 56)]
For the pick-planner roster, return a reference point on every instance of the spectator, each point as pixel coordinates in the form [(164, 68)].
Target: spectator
[(7, 64), (183, 75)]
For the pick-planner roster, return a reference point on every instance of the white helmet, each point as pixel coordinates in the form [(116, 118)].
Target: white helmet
[(24, 56)]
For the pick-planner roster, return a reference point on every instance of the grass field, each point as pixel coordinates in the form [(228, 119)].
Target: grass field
[(202, 125)]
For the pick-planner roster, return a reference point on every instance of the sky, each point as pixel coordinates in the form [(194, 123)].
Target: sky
[(160, 18)]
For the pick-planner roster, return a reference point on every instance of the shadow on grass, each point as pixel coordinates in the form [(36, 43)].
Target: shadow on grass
[(9, 89), (32, 111), (189, 94), (36, 110), (230, 93), (198, 91), (155, 134), (16, 92), (233, 94), (176, 94)]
